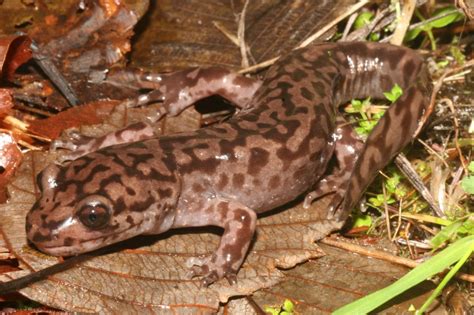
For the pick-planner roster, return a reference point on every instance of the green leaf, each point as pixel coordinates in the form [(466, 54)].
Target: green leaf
[(434, 265), (362, 220), (446, 279), (394, 94), (272, 310), (448, 19), (468, 227), (288, 306), (457, 54), (446, 234), (442, 64), (374, 37), (363, 19), (470, 167), (392, 183), (412, 34), (467, 184)]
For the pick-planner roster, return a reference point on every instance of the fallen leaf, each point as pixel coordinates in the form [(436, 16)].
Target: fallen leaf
[(92, 113), (183, 33), (323, 285), (150, 273), (14, 51)]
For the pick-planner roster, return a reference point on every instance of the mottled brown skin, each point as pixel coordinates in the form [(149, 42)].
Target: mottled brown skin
[(274, 150)]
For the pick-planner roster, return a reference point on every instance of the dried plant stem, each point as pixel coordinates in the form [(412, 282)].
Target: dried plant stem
[(387, 214), (404, 22), (241, 36), (405, 166), (369, 252), (16, 123), (226, 32)]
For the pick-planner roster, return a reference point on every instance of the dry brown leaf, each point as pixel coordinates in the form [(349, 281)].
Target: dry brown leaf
[(150, 273), (322, 285), (182, 33)]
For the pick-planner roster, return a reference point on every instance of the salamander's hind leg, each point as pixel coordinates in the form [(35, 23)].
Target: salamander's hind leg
[(238, 223), (348, 146), (181, 89)]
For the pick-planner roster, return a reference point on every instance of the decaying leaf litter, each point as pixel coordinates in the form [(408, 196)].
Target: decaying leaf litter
[(258, 272)]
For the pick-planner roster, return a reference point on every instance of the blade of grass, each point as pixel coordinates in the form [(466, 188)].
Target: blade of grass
[(434, 265), (446, 279)]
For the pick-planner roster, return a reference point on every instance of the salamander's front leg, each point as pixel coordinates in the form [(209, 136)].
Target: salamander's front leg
[(181, 89), (348, 146), (80, 145), (238, 223)]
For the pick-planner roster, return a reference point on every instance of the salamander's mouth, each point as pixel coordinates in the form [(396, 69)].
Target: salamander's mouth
[(72, 247)]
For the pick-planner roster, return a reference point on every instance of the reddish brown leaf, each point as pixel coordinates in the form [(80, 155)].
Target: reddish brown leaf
[(92, 113), (14, 51)]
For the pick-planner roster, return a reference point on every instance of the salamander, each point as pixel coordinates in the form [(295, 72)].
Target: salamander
[(276, 148)]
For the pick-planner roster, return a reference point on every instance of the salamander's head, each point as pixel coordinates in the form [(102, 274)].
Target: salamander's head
[(93, 202)]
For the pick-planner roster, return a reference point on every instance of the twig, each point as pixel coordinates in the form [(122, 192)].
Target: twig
[(226, 32), (433, 152), (341, 17), (47, 65), (404, 22), (380, 20), (387, 215), (348, 27), (241, 36), (369, 252), (399, 220), (405, 166)]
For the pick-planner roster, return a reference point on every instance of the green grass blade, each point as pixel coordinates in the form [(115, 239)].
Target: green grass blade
[(434, 265), (446, 279)]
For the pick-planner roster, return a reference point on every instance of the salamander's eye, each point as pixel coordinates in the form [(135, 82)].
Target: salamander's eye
[(94, 215)]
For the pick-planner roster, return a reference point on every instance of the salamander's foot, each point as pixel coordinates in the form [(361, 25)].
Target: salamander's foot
[(210, 271), (73, 141), (80, 145)]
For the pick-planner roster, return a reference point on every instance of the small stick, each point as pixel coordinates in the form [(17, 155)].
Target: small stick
[(404, 22), (241, 36), (47, 65), (405, 166), (383, 255)]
